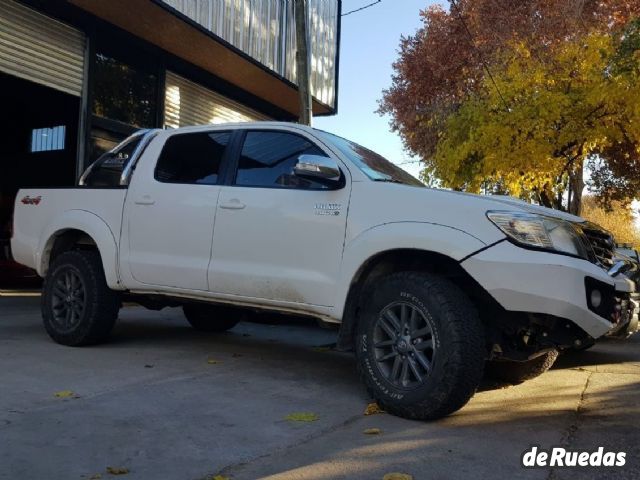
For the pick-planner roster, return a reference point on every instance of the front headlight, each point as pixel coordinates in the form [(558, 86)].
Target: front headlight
[(539, 231)]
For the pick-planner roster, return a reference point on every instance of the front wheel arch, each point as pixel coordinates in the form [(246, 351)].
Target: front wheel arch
[(406, 260)]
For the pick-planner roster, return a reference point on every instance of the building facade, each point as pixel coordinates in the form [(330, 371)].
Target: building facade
[(78, 76)]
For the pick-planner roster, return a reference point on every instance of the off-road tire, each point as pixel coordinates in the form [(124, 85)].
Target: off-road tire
[(93, 320), (458, 335), (212, 318), (518, 372)]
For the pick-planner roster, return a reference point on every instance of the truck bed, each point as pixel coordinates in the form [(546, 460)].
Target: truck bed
[(38, 211)]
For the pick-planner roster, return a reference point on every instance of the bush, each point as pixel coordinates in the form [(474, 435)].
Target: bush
[(621, 220)]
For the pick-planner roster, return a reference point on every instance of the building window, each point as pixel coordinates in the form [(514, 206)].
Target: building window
[(47, 139), (124, 93)]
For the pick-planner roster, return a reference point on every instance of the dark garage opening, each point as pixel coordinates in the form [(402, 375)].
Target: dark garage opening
[(38, 142)]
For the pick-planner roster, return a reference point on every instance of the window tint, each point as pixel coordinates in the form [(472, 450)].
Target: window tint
[(268, 158), (192, 158)]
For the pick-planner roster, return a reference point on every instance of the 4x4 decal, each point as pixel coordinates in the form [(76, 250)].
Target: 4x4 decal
[(31, 200)]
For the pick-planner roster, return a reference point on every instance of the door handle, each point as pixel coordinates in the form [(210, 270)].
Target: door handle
[(145, 200), (233, 204)]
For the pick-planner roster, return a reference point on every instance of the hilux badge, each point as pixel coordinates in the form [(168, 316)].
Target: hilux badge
[(328, 208)]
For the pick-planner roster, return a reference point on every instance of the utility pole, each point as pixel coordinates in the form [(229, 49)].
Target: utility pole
[(303, 63)]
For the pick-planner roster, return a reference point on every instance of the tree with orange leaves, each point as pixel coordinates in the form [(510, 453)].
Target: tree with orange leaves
[(458, 58)]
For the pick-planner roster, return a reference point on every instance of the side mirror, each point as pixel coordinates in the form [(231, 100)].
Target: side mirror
[(318, 168)]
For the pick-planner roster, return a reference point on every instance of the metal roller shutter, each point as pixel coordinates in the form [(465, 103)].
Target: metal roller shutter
[(38, 48), (187, 103)]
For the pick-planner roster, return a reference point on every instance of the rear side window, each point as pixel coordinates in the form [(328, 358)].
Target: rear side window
[(193, 158), (268, 158)]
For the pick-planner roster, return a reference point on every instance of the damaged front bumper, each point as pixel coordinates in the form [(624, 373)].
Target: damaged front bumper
[(625, 305), (549, 285)]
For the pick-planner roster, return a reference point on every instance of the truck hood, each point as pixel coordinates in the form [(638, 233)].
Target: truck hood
[(376, 203), (522, 205)]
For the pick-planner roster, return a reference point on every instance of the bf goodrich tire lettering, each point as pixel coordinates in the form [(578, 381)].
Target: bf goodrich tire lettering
[(439, 340)]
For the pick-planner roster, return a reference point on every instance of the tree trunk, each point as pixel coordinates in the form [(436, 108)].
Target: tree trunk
[(545, 199), (576, 182)]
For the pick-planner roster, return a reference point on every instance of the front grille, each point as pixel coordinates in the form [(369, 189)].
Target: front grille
[(601, 242)]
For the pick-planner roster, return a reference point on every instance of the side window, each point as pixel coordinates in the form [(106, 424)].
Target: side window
[(193, 158), (268, 158)]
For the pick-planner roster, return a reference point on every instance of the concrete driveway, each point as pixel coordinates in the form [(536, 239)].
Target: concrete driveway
[(161, 401)]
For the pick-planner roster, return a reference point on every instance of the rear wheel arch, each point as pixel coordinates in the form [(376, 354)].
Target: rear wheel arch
[(79, 230), (65, 240)]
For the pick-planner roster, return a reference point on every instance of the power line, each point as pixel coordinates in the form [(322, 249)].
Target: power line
[(473, 44), (361, 8)]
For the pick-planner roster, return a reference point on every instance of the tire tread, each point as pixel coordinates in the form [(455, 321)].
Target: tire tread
[(103, 304), (466, 363)]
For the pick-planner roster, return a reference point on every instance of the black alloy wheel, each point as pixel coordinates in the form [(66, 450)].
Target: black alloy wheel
[(78, 307), (68, 299), (404, 346)]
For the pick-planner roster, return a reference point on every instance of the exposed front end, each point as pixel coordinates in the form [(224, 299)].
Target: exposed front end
[(559, 283)]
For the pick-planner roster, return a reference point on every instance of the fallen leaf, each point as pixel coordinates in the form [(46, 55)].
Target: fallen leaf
[(220, 477), (95, 476), (397, 476), (373, 409), (117, 470), (65, 394), (302, 417), (321, 349), (213, 361), (372, 431)]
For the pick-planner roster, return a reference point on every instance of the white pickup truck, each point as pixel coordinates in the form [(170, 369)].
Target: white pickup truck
[(429, 287)]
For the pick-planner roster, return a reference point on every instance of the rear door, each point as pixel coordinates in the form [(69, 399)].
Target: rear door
[(278, 237), (170, 211)]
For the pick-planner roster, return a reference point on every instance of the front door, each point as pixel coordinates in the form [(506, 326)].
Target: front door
[(171, 210), (277, 236)]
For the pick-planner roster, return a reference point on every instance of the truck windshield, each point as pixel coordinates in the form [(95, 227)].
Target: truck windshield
[(373, 165)]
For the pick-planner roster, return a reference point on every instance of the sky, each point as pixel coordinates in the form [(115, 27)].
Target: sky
[(369, 45)]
